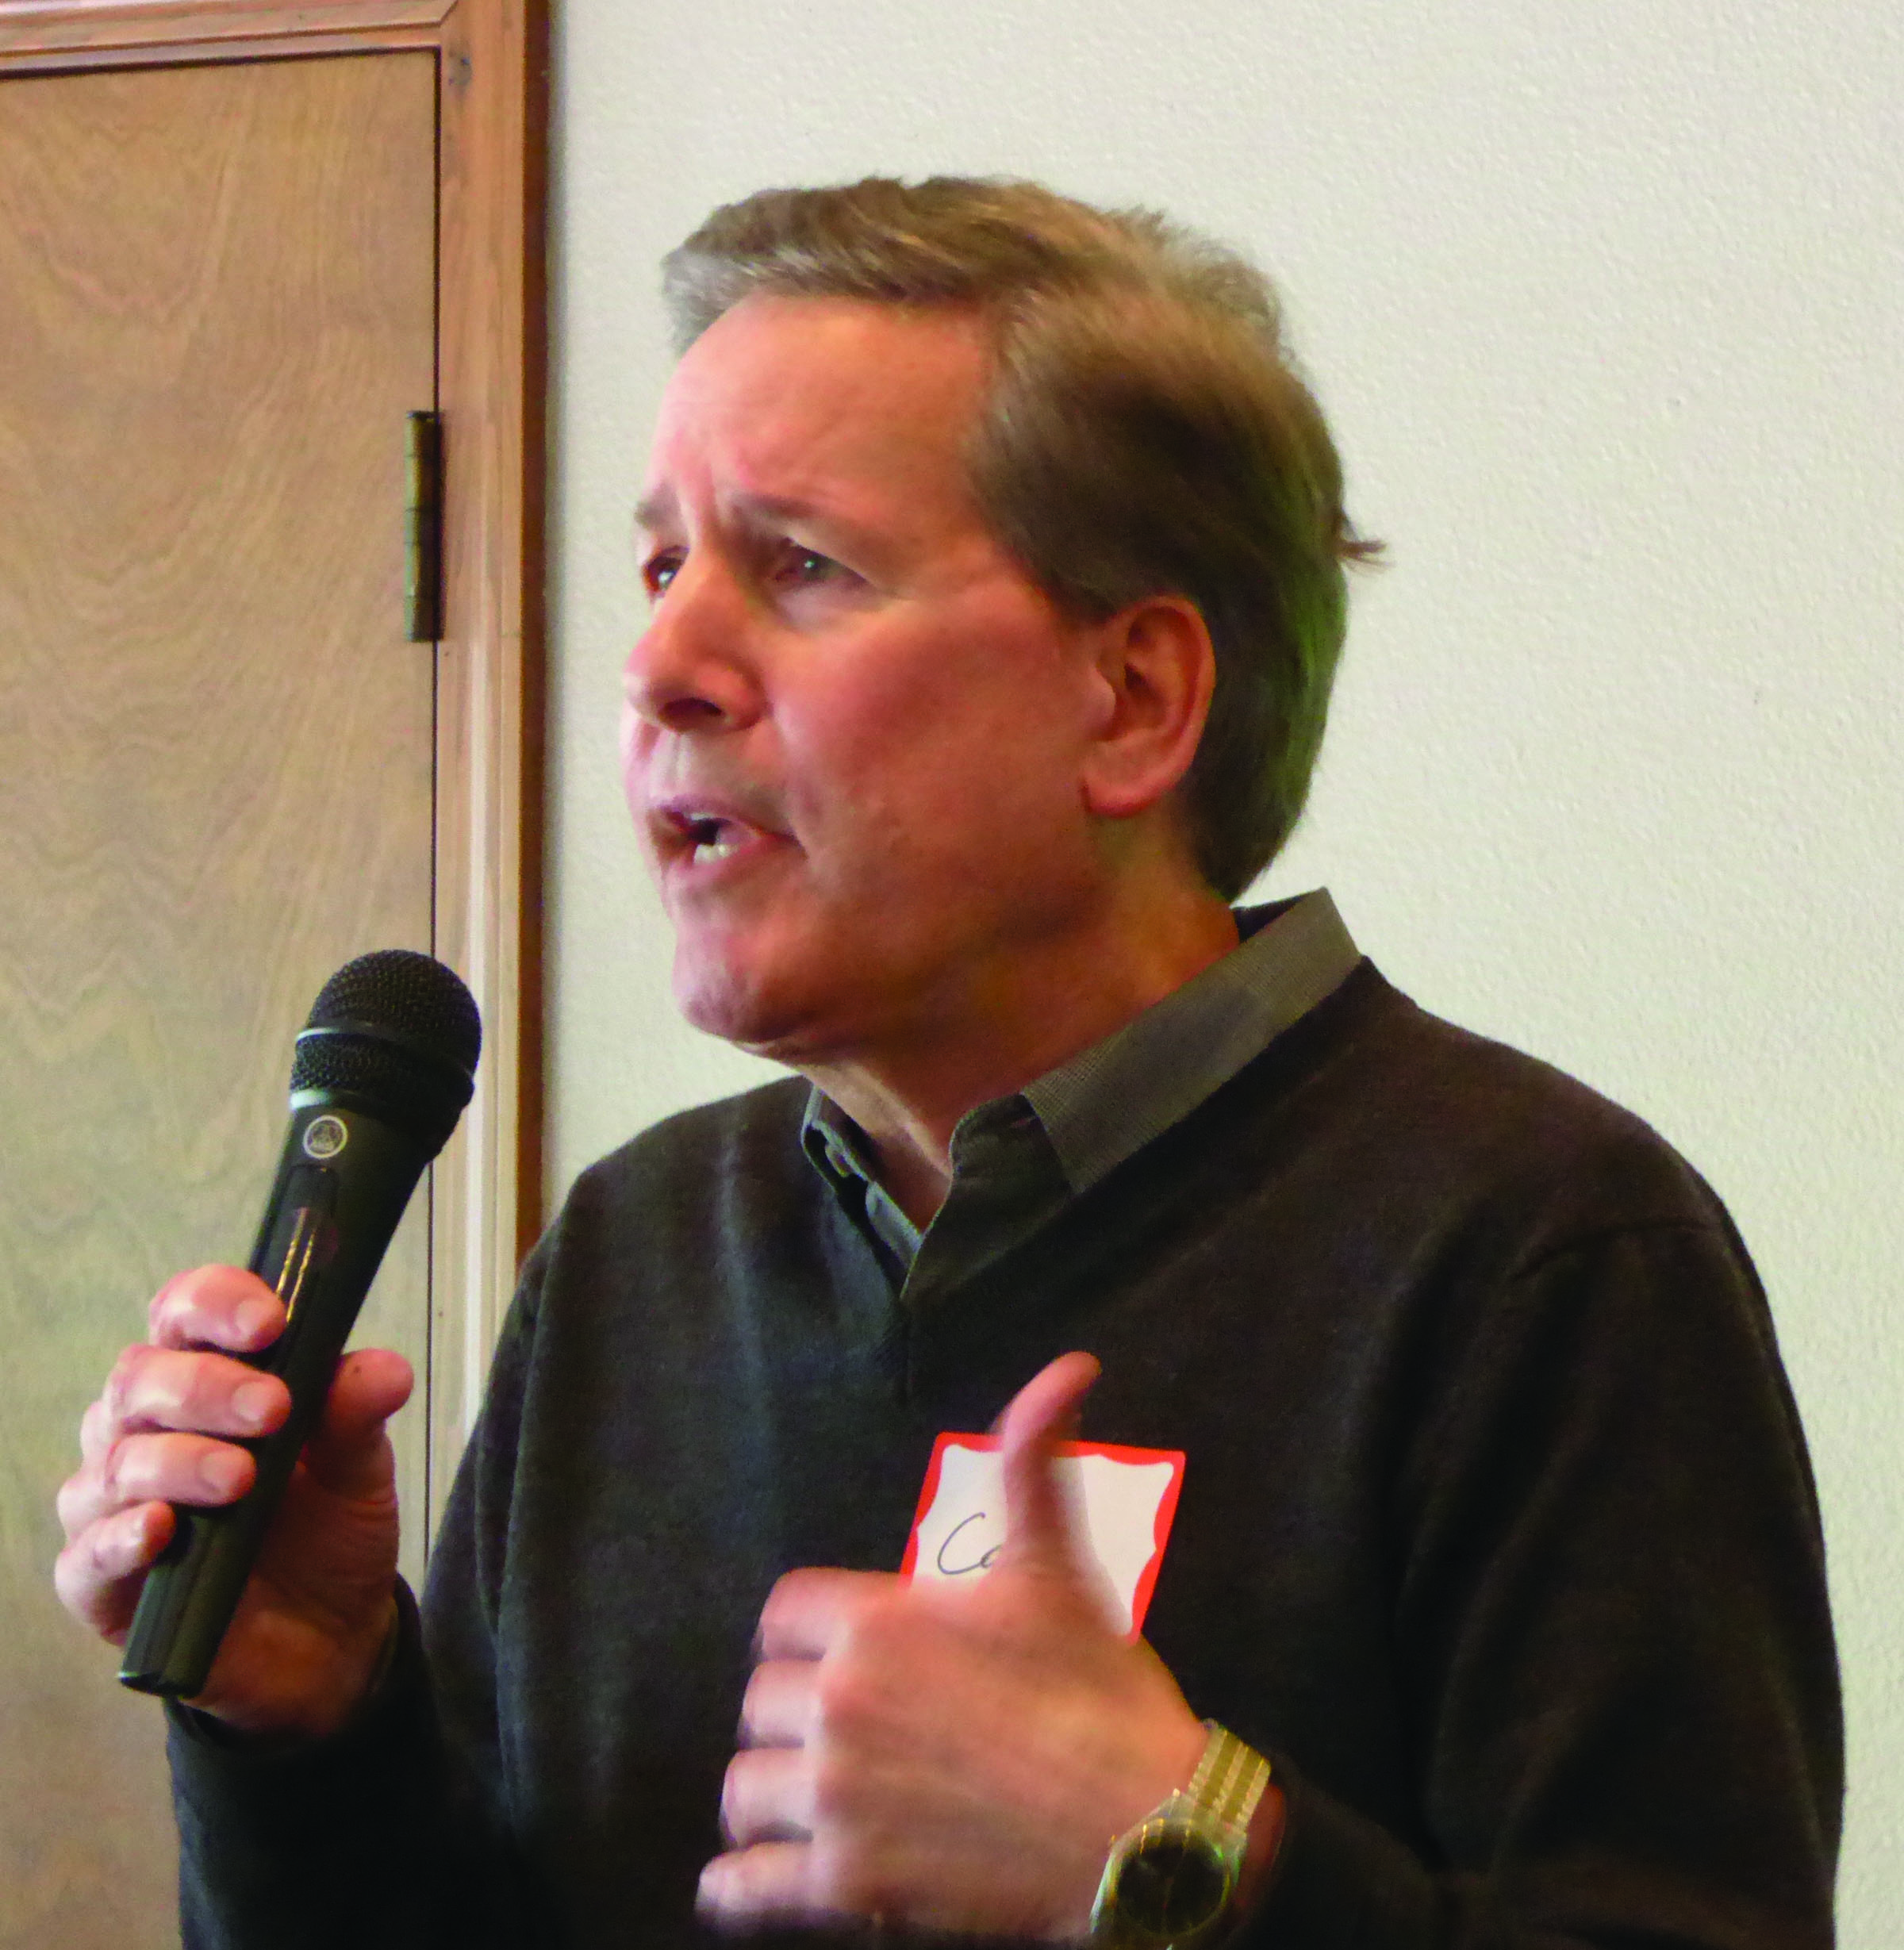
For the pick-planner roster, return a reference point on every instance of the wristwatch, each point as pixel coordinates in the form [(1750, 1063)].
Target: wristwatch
[(1169, 1881)]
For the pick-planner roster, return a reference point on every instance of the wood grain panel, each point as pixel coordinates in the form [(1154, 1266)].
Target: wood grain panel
[(493, 107), (216, 776), (125, 26)]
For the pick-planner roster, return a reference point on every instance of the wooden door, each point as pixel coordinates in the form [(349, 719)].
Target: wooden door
[(218, 304)]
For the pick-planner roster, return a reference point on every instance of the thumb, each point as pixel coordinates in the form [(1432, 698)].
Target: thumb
[(1040, 1534), (348, 1453)]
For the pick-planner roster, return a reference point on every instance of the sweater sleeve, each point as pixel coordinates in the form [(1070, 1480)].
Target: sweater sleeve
[(1611, 1620), (389, 1834), (315, 1844)]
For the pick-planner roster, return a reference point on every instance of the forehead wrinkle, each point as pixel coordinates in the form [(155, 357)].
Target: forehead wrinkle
[(767, 407), (847, 461), (918, 502)]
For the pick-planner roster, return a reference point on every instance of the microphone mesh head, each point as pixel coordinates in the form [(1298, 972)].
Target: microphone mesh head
[(399, 1032), (412, 994)]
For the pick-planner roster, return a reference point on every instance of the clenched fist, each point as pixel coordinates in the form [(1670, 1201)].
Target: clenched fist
[(951, 1757), (304, 1644)]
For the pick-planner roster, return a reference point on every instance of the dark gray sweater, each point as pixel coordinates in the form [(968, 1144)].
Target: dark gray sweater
[(1496, 1530)]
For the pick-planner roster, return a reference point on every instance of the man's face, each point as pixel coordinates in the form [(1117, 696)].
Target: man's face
[(855, 727)]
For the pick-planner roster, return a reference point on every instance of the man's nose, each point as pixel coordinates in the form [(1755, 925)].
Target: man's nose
[(692, 669)]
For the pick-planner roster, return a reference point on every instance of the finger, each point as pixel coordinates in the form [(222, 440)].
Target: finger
[(767, 1796), (807, 1611), (778, 1708), (771, 1881), (221, 1307), (349, 1454), (98, 1575), (98, 1432), (168, 1469), (1041, 1532), (157, 1387)]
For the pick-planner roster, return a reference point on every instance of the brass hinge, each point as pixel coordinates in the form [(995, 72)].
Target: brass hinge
[(423, 527)]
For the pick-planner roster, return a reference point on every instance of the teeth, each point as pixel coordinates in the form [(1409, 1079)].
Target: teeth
[(726, 841), (709, 837)]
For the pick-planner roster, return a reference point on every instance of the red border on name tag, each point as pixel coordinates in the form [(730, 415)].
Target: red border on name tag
[(1115, 1451)]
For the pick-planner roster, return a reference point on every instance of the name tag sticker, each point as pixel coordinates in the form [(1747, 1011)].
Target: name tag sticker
[(1127, 1498)]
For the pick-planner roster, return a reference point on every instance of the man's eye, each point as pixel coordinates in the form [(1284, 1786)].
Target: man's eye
[(799, 566), (660, 569)]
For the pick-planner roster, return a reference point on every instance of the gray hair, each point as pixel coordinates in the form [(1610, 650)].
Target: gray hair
[(1146, 432)]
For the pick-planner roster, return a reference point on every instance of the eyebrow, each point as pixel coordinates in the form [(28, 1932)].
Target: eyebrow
[(659, 508), (653, 509)]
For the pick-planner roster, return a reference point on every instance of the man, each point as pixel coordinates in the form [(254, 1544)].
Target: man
[(996, 558)]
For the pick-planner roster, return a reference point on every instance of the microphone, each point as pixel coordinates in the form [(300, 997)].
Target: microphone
[(381, 1072)]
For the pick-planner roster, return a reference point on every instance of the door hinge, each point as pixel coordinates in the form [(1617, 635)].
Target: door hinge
[(423, 527)]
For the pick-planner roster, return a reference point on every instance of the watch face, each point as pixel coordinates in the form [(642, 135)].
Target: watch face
[(1171, 1885)]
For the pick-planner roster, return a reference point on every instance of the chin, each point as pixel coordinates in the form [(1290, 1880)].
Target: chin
[(737, 1005)]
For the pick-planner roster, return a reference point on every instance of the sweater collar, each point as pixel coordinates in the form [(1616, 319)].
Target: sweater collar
[(1037, 1149)]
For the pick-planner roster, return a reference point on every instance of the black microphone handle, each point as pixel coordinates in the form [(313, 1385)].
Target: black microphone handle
[(343, 1181)]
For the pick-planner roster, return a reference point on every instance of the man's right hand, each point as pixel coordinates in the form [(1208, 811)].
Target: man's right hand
[(307, 1640)]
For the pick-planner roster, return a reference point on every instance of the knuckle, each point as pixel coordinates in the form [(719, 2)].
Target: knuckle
[(844, 1878), (171, 1306), (112, 1477), (833, 1790), (75, 1502), (102, 1545), (138, 1469), (121, 1382), (851, 1694), (733, 1800), (205, 1307), (878, 1631), (753, 1707), (782, 1602), (73, 1581), (89, 1583), (747, 1809), (772, 1706), (839, 1695)]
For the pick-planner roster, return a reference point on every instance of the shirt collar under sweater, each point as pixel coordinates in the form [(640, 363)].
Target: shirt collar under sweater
[(1017, 1161)]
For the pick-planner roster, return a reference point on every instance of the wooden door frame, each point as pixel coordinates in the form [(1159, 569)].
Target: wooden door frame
[(492, 90)]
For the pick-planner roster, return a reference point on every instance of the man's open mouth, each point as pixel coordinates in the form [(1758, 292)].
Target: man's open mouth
[(713, 838)]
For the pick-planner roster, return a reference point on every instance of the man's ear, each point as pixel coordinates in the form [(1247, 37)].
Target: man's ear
[(1157, 671)]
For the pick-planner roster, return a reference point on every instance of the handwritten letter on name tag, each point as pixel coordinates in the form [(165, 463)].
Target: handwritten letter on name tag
[(1127, 1498)]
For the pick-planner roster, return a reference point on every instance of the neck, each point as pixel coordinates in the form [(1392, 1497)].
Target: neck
[(909, 1100)]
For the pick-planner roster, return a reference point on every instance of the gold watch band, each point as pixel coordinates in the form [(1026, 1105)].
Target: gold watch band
[(1229, 1780)]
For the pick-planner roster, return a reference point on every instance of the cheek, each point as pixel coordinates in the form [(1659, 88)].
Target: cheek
[(981, 712), (949, 814), (912, 775)]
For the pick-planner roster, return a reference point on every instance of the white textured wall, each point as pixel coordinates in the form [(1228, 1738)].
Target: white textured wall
[(1603, 300)]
